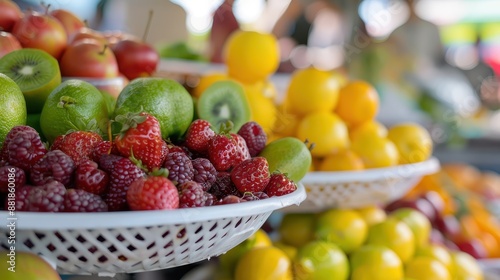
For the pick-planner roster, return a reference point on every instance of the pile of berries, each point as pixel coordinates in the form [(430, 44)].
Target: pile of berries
[(138, 170)]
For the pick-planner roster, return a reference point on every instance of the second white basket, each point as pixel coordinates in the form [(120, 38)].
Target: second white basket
[(356, 189)]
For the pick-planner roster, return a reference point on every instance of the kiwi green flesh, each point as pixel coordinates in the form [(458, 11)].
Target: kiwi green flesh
[(223, 101), (35, 72)]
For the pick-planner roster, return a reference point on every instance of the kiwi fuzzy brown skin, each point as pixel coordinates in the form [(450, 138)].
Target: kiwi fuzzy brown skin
[(35, 71), (223, 101)]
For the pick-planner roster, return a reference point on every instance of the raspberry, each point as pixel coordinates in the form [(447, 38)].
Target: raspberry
[(91, 179), (182, 149), (230, 199), (248, 196), (124, 172), (107, 162), (77, 200), (55, 165), (21, 200), (204, 172), (16, 176), (4, 155), (191, 195), (279, 185), (223, 186), (252, 175), (242, 152), (179, 166), (47, 198), (152, 193), (210, 199), (25, 149), (102, 148), (254, 136)]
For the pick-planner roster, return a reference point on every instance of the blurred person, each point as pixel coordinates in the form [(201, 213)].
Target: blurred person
[(223, 25), (310, 32), (168, 24)]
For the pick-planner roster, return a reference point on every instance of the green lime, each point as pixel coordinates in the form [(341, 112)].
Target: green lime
[(165, 99), (33, 120), (320, 260), (12, 106), (74, 105)]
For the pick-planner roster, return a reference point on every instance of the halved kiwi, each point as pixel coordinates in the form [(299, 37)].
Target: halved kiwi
[(35, 71), (223, 101)]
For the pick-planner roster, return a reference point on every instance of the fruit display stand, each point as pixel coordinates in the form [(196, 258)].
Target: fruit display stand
[(357, 189), (136, 241)]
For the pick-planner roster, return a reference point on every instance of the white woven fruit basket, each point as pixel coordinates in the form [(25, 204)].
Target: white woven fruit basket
[(356, 189), (135, 241)]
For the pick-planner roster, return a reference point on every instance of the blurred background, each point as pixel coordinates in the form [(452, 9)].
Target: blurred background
[(432, 62)]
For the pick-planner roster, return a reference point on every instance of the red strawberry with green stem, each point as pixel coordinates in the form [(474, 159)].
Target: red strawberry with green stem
[(79, 145), (198, 135), (154, 192), (223, 149), (252, 175), (279, 185), (140, 137)]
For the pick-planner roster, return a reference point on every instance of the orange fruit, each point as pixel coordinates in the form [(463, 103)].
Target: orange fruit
[(251, 56), (369, 128), (342, 160), (207, 80), (358, 102), (312, 90)]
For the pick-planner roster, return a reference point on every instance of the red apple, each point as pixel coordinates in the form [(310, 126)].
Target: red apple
[(436, 201), (87, 33), (448, 225), (10, 13), (41, 31), (8, 43), (135, 58), (472, 247), (421, 205), (71, 22), (88, 58)]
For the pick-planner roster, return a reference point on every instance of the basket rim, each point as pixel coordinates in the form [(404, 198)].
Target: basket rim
[(400, 171), (132, 219)]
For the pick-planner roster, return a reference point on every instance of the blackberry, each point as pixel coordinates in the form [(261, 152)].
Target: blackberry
[(204, 172)]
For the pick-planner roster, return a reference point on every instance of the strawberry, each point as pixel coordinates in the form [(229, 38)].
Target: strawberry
[(78, 145), (154, 192), (242, 152), (279, 185), (222, 152), (198, 135), (123, 173), (91, 179), (101, 148), (141, 137), (252, 175), (56, 145)]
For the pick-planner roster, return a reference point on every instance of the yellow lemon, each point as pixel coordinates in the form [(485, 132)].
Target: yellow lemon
[(262, 108), (375, 262), (312, 90), (395, 235), (265, 263), (370, 128), (413, 142), (326, 130), (376, 151), (426, 268), (372, 214), (251, 56)]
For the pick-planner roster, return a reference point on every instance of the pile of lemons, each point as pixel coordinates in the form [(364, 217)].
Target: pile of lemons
[(338, 115), (343, 244)]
